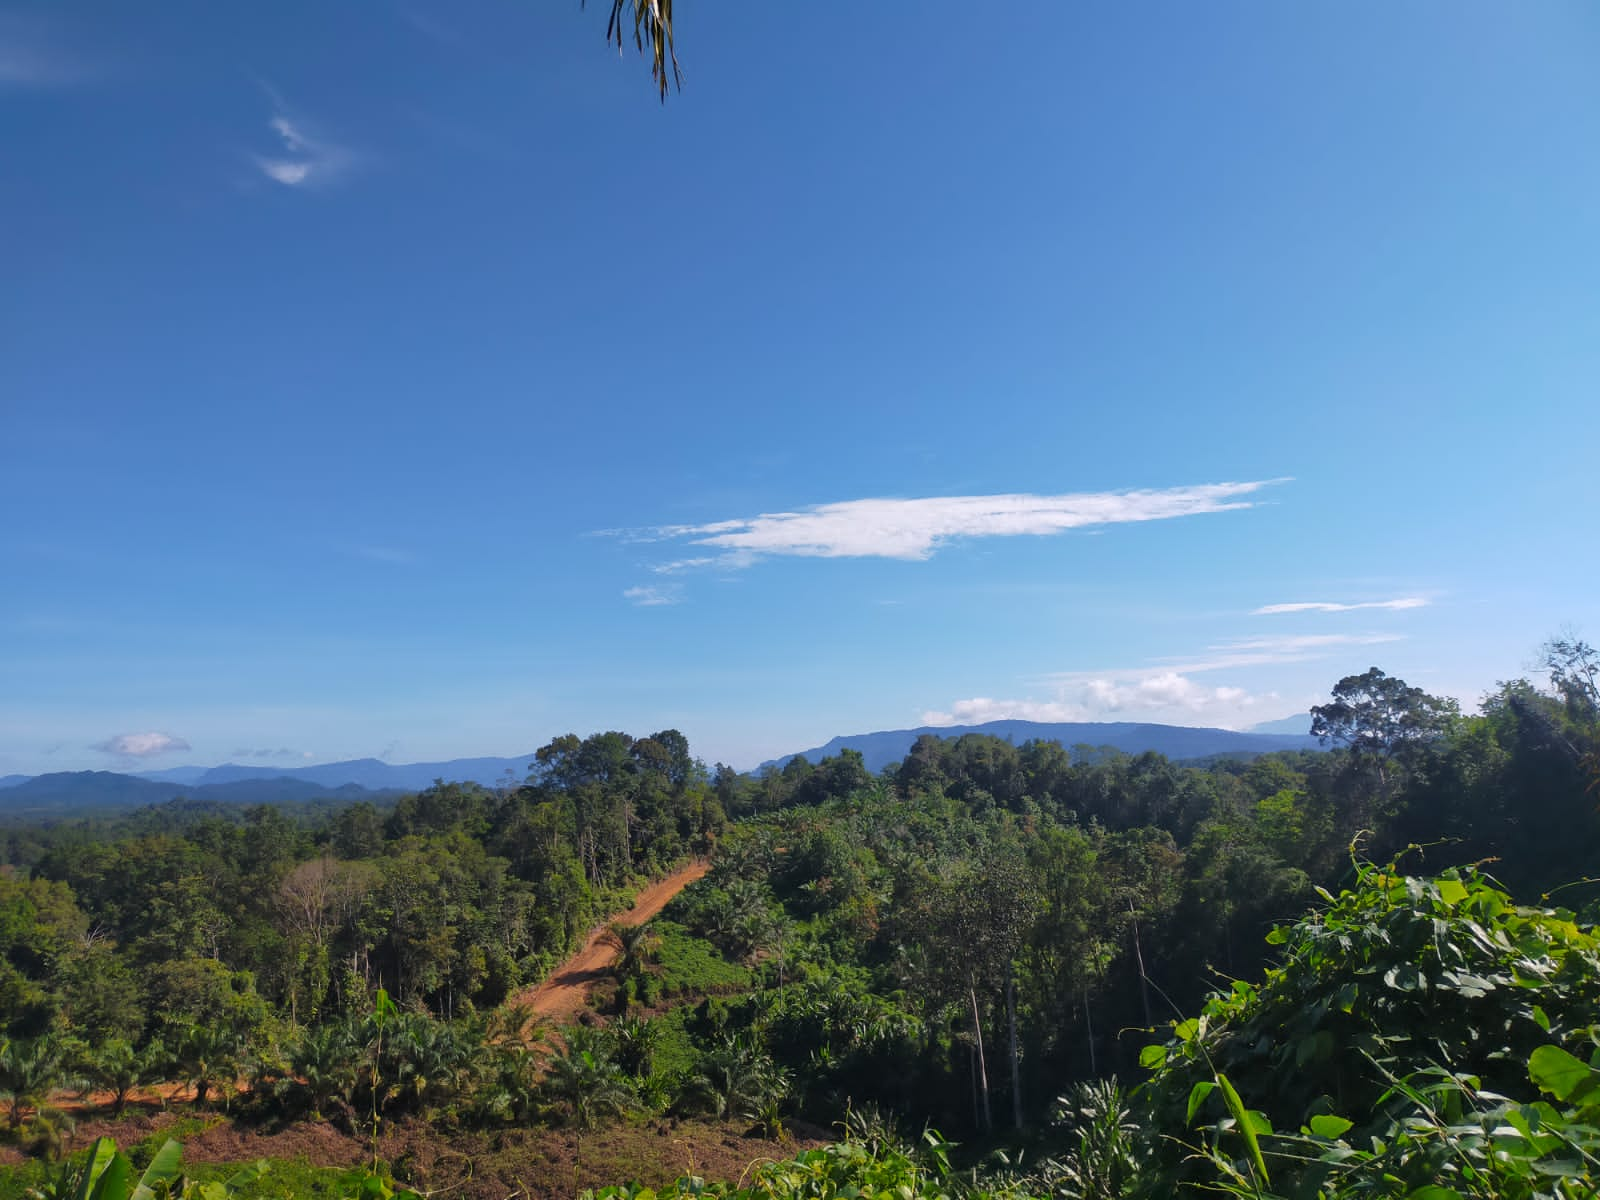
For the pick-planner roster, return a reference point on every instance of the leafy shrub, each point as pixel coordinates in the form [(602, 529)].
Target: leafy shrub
[(1405, 1009)]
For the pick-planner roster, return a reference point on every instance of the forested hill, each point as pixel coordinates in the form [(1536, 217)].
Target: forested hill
[(76, 792), (879, 750), (371, 773)]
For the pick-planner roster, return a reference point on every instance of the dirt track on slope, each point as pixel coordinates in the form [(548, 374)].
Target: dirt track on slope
[(565, 993)]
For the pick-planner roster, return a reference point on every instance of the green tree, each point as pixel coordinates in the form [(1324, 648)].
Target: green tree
[(583, 1081), (30, 1069), (736, 1079), (635, 946), (1574, 668), (1385, 723), (206, 1055), (117, 1067)]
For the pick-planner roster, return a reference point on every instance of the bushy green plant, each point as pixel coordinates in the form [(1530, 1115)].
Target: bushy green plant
[(1396, 1029), (106, 1173), (1106, 1147), (583, 1080), (850, 1168)]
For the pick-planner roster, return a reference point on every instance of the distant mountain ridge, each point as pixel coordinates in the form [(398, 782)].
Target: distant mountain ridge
[(371, 778), (878, 750), (1300, 723), (234, 783), (365, 772), (65, 792)]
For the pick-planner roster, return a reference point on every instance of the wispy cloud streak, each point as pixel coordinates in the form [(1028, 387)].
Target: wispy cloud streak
[(914, 529), (1329, 606), (652, 597), (305, 160), (32, 56)]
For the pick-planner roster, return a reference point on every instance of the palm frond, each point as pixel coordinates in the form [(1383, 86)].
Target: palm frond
[(652, 23)]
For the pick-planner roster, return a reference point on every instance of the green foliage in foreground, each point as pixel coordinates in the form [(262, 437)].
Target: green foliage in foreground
[(106, 1173), (1420, 1039), (865, 1168), (1402, 1043)]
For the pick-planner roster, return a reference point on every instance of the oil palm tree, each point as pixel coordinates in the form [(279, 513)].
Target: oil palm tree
[(584, 1083), (637, 1039), (635, 946), (30, 1069), (118, 1068), (326, 1064), (738, 1080), (205, 1056)]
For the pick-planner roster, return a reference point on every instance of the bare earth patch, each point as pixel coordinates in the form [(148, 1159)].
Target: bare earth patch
[(565, 994)]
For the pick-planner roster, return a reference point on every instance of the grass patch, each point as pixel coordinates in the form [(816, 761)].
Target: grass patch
[(691, 966), (675, 1055), (16, 1180), (286, 1179)]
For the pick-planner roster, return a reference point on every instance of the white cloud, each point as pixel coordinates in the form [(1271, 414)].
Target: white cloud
[(914, 529), (1238, 652), (1301, 642), (1329, 606), (652, 597), (289, 173), (982, 709), (306, 161), (141, 745), (1168, 695), (1163, 690), (680, 565)]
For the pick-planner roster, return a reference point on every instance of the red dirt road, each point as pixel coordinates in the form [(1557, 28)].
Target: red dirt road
[(564, 994)]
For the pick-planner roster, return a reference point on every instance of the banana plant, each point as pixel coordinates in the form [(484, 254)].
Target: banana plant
[(107, 1174)]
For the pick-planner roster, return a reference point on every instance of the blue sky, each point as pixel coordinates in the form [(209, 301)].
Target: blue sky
[(404, 380)]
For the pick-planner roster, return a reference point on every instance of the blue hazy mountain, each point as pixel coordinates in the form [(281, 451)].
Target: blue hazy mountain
[(359, 778), (364, 772), (106, 791), (250, 784), (878, 750), (173, 774), (1300, 723)]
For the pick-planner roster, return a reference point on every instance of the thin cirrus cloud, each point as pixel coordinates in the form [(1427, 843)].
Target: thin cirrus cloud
[(141, 745), (914, 529), (678, 566), (268, 752), (32, 55), (652, 597), (1330, 606), (305, 160)]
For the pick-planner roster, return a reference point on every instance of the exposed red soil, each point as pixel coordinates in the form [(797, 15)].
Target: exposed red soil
[(565, 994), (510, 1164)]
